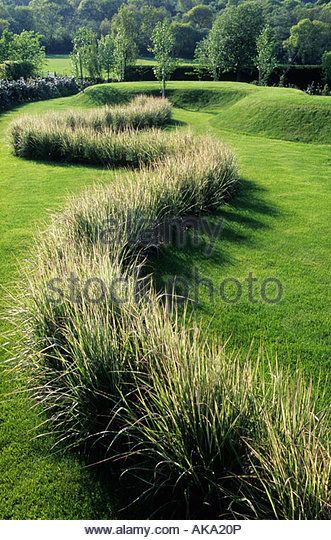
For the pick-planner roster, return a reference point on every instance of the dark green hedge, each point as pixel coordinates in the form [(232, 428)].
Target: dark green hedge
[(300, 76), (16, 92), (182, 73)]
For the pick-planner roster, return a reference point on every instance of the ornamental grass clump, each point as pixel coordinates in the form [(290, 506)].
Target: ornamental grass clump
[(104, 136), (143, 112), (215, 436), (198, 176), (199, 431), (107, 148)]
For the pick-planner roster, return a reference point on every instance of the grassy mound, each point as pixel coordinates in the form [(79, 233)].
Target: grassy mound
[(177, 414), (278, 113)]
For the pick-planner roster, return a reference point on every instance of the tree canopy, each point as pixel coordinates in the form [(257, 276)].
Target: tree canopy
[(301, 30)]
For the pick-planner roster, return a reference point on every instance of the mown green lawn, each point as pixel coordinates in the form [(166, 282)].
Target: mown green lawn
[(61, 63), (276, 226)]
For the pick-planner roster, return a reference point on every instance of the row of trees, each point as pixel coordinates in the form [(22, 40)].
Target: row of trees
[(298, 26), (230, 47), (113, 52), (227, 46)]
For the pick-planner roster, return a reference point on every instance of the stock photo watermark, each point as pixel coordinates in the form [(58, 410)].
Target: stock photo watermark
[(177, 289), (142, 234)]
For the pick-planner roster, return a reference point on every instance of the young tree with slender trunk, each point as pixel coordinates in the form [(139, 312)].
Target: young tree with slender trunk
[(265, 59), (85, 53), (163, 44), (125, 51), (106, 52)]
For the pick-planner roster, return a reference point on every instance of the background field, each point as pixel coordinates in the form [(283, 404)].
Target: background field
[(61, 63), (277, 225)]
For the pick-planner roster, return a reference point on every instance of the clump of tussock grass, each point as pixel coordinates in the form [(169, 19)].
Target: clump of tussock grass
[(105, 136), (36, 140), (196, 177), (192, 426), (227, 438), (195, 426), (143, 112)]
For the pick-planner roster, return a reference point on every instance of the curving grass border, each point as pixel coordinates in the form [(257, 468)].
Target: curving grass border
[(190, 422), (102, 136), (127, 148), (143, 112)]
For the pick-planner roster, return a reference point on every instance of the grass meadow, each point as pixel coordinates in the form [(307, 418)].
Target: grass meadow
[(276, 226), (61, 63)]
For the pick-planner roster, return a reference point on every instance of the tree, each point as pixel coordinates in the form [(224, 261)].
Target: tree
[(125, 30), (265, 59), (47, 19), (27, 47), (186, 38), (93, 12), (231, 43), (150, 16), (6, 45), (200, 16), (281, 18), (127, 21), (308, 40), (85, 53), (162, 48), (182, 6), (24, 47), (208, 56), (4, 25), (326, 66), (89, 12), (106, 49), (105, 27), (23, 19), (125, 51)]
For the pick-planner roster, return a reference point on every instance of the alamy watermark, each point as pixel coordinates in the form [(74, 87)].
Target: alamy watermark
[(145, 233)]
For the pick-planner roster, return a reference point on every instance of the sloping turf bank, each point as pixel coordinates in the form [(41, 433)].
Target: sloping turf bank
[(279, 113), (192, 425)]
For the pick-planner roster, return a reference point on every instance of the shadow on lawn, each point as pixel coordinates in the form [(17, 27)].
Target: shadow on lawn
[(235, 222)]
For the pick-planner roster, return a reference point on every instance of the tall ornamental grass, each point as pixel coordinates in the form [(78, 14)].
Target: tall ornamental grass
[(104, 136), (197, 430), (143, 112), (196, 177), (107, 148)]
